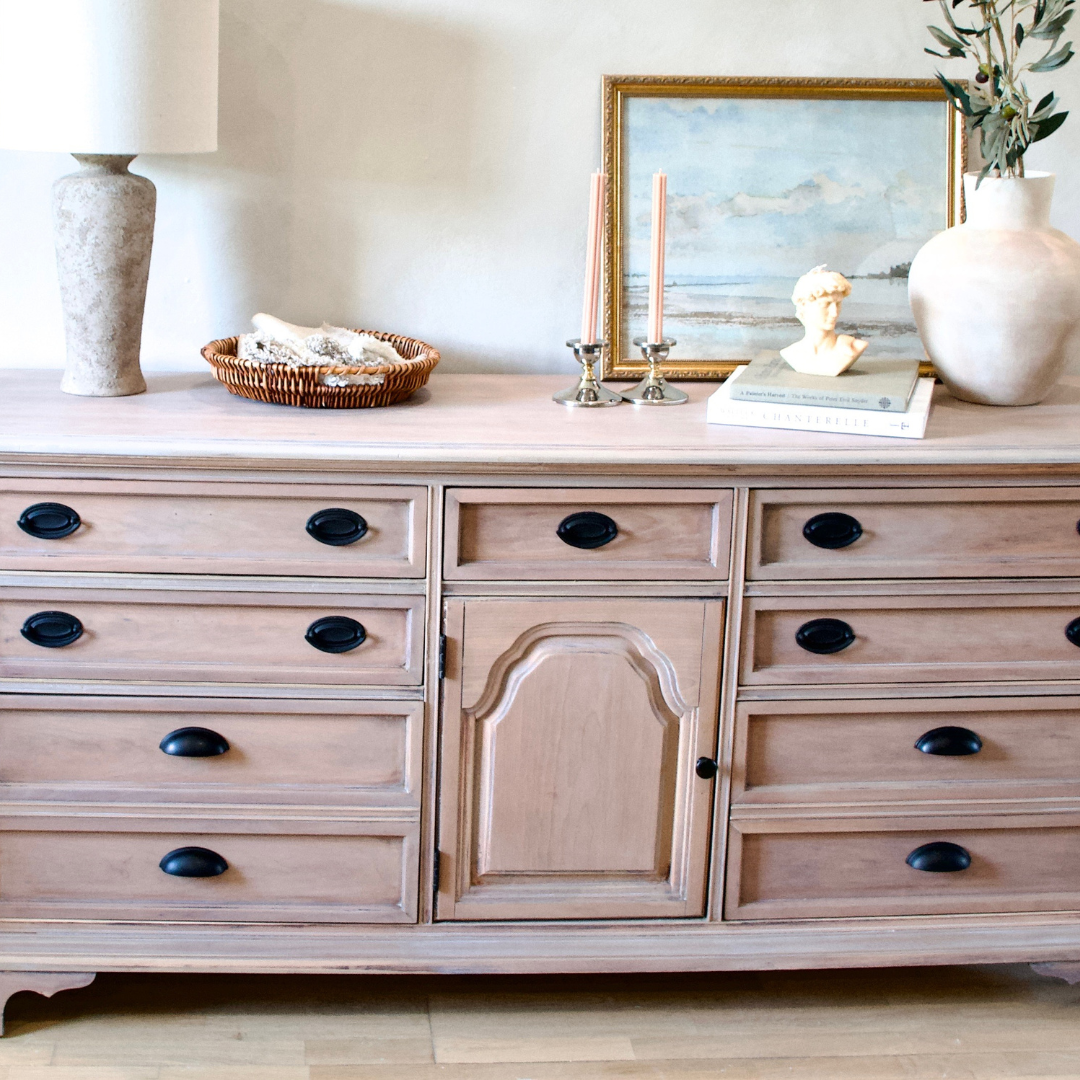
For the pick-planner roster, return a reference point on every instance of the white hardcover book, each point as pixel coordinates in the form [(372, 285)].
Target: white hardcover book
[(906, 425)]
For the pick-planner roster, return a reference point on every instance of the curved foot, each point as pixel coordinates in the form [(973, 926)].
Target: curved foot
[(1067, 970), (46, 983)]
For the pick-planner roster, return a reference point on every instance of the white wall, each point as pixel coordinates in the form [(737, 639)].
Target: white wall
[(422, 165)]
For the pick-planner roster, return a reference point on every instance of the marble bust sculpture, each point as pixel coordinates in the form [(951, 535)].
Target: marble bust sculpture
[(817, 299)]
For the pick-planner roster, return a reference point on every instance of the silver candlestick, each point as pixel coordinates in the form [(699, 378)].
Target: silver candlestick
[(588, 394), (654, 389)]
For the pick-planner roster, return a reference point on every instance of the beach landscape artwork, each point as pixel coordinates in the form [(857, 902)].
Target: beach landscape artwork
[(762, 189)]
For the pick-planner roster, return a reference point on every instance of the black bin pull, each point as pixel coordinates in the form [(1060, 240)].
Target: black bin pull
[(832, 530), (940, 857), (824, 636), (337, 526), (587, 530), (49, 521), (950, 742), (1072, 631), (194, 742), (193, 862), (336, 634), (52, 629)]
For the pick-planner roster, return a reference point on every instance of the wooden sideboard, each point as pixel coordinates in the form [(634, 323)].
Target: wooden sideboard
[(480, 684)]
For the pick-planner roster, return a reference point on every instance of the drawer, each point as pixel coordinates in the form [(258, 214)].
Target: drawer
[(518, 533), (946, 532), (170, 635), (932, 638), (366, 877), (355, 753), (244, 527), (807, 752), (796, 869)]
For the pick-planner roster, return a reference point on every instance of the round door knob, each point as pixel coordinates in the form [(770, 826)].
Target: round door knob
[(49, 520), (950, 742), (940, 857), (587, 530), (194, 742), (824, 636), (1072, 631), (336, 634), (337, 526), (832, 530), (52, 629), (193, 862), (706, 768)]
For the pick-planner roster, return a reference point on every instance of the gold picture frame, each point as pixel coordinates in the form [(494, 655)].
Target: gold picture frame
[(618, 90)]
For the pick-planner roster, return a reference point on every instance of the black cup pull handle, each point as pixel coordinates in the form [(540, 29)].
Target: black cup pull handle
[(194, 742), (193, 862), (950, 742), (49, 520), (52, 629), (941, 857), (706, 768), (336, 634), (337, 526), (1072, 631), (587, 530), (824, 636), (832, 530)]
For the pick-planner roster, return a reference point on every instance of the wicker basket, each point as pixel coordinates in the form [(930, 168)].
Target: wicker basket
[(280, 384)]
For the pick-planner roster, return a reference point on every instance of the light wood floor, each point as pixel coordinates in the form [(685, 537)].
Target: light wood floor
[(983, 1023)]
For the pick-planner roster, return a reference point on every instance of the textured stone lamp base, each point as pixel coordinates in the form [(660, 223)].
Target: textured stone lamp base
[(104, 222)]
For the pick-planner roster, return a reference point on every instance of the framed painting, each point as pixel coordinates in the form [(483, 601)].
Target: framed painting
[(768, 178)]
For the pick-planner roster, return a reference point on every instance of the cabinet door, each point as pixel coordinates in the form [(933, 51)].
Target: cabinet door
[(570, 737)]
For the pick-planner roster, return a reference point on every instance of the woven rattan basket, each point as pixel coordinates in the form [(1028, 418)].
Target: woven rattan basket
[(280, 384)]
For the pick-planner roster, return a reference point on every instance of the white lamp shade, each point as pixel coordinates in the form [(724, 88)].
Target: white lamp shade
[(109, 76)]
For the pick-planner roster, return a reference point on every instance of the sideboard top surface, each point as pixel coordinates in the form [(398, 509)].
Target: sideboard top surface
[(475, 420)]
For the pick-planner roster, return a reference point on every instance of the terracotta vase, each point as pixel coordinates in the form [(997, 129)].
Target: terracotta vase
[(997, 299)]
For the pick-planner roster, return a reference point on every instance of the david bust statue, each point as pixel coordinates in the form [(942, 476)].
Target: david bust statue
[(817, 299)]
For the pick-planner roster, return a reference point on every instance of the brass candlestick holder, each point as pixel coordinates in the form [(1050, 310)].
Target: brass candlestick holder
[(654, 389), (588, 394)]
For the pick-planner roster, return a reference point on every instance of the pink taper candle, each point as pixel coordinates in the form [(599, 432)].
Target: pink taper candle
[(592, 258), (656, 266)]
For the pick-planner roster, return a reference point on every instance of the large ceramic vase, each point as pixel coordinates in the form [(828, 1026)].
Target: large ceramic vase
[(997, 299)]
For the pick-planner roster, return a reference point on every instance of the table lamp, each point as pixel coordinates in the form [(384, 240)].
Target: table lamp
[(106, 80)]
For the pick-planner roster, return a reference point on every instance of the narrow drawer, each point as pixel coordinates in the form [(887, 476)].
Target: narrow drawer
[(574, 533), (242, 527), (807, 752), (170, 635), (898, 533), (367, 877), (910, 638), (819, 869), (356, 753)]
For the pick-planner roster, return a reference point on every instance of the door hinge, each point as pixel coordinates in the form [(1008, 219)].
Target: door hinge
[(435, 873), (442, 656)]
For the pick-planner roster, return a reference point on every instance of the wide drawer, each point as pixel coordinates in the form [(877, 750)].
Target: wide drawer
[(897, 533), (538, 533), (794, 869), (910, 638), (170, 635), (812, 752), (368, 876), (356, 753), (242, 527)]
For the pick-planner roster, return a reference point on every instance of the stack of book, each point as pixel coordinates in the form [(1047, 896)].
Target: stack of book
[(875, 397)]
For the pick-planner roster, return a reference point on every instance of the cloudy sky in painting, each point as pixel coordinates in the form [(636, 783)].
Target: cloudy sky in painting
[(768, 188)]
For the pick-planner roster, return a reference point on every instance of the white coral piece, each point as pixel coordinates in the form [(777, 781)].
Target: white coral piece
[(276, 341)]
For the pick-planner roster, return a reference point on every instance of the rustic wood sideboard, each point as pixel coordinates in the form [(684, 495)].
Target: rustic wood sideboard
[(479, 684)]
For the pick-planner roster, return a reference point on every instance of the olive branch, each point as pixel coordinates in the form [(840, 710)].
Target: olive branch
[(998, 103)]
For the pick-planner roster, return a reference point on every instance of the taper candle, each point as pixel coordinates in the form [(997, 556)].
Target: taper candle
[(656, 267), (594, 242)]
